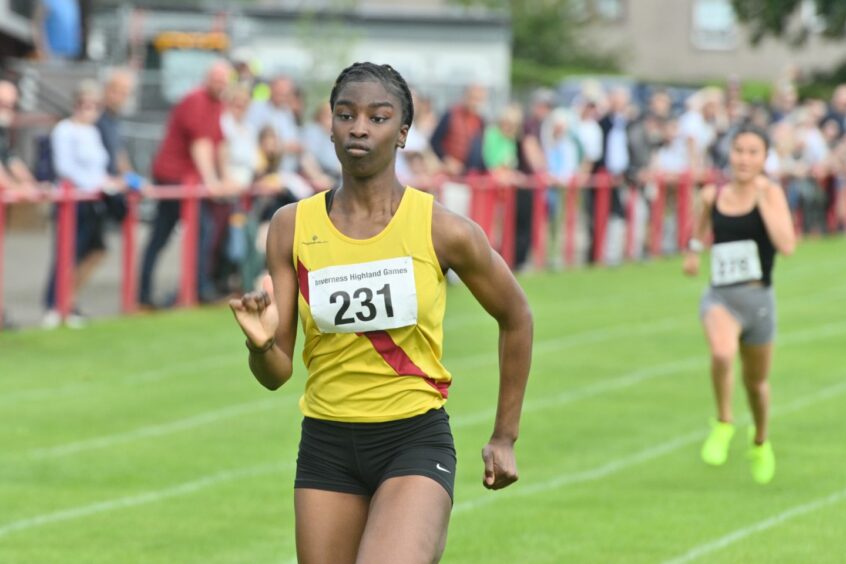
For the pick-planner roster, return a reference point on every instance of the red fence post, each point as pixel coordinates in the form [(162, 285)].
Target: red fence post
[(509, 223), (129, 290), (829, 184), (2, 245), (190, 216), (473, 186), (569, 235), (657, 217), (630, 222), (65, 249), (485, 202), (540, 220), (684, 210), (601, 210)]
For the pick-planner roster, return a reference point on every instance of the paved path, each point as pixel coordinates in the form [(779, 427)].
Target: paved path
[(28, 256)]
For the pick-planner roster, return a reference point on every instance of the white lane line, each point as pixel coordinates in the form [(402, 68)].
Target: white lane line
[(798, 272), (620, 382), (633, 459), (604, 386), (812, 334), (774, 521), (199, 363), (590, 337), (135, 500), (237, 360), (482, 416), (252, 471), (551, 345), (579, 303), (157, 430)]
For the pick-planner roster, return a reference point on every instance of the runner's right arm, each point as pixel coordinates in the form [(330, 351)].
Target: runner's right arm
[(701, 228), (271, 314)]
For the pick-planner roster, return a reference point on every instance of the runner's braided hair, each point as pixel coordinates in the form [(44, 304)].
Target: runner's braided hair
[(386, 75)]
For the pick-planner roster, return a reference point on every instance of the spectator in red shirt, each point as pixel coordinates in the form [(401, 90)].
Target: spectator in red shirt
[(459, 128), (192, 150)]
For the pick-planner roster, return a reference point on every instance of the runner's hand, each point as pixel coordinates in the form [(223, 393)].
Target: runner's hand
[(257, 315), (690, 266), (500, 464)]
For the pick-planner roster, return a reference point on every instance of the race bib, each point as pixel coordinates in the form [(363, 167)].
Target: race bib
[(735, 262), (369, 296)]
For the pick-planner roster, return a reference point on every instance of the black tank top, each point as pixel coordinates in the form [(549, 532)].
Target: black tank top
[(728, 228)]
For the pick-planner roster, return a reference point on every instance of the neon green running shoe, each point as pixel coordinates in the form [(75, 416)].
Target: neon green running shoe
[(716, 446), (762, 462)]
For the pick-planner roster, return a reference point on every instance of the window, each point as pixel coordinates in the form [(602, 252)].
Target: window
[(609, 9), (603, 10), (183, 70), (714, 25), (810, 18)]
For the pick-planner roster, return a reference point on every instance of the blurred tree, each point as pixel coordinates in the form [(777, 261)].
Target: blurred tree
[(777, 18), (547, 41), (796, 21)]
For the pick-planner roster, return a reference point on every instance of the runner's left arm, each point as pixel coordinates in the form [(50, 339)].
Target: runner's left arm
[(772, 204), (462, 246)]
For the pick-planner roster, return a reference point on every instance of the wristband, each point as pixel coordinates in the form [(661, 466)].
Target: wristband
[(262, 349), (695, 246)]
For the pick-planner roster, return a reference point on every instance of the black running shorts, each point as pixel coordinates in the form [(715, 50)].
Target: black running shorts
[(357, 457)]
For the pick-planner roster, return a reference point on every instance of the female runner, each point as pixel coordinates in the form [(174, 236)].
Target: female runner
[(364, 266), (750, 222)]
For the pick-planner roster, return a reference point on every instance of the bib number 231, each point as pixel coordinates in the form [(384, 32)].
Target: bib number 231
[(371, 296)]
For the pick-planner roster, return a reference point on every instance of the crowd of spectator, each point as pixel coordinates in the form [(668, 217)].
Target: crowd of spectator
[(236, 134)]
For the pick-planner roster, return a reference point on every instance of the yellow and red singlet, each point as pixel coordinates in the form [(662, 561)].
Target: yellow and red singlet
[(372, 313)]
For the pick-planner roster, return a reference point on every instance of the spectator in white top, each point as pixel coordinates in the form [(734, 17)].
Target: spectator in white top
[(589, 132), (318, 143), (240, 135), (80, 157), (278, 112), (416, 160), (565, 162), (784, 100), (699, 126)]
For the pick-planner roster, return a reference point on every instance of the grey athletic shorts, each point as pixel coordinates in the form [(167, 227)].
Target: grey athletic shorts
[(752, 306)]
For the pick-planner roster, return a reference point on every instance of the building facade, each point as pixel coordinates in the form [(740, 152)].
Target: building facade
[(696, 40)]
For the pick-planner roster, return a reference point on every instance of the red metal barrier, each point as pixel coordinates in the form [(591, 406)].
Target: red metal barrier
[(684, 214), (65, 250), (2, 257), (630, 223), (656, 215), (190, 216), (540, 220), (601, 212), (570, 214), (492, 205), (508, 246), (129, 284)]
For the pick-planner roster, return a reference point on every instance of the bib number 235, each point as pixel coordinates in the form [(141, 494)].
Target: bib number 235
[(371, 296)]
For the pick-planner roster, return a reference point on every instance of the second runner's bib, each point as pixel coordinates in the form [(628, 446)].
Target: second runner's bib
[(369, 296), (735, 262)]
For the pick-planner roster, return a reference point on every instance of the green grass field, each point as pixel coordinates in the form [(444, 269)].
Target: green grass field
[(147, 440)]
